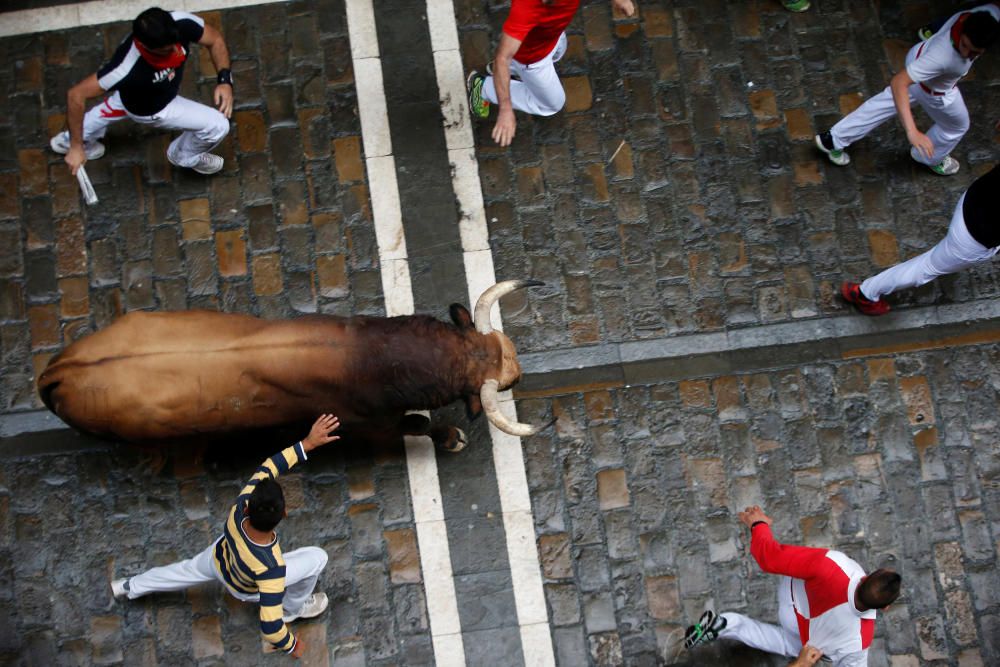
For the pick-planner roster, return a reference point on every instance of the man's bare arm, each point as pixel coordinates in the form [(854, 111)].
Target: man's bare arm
[(506, 125), (900, 86), (76, 102), (212, 39)]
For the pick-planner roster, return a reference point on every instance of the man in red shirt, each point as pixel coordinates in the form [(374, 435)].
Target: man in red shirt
[(523, 74), (824, 599)]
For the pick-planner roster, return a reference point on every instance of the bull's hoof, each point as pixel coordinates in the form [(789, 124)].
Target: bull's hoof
[(455, 442)]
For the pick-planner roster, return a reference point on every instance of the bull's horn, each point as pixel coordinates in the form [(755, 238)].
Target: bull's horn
[(491, 406), (489, 297)]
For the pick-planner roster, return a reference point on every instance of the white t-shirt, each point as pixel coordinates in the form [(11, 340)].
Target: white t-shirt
[(936, 63)]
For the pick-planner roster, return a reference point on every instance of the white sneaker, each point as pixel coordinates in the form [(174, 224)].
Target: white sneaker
[(946, 167), (207, 163), (315, 605), (119, 588), (60, 144), (824, 142)]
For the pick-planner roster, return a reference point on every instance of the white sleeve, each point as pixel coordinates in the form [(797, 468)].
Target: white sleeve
[(926, 66)]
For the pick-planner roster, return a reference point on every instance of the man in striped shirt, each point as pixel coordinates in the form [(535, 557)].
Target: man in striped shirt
[(141, 81), (825, 600), (248, 560)]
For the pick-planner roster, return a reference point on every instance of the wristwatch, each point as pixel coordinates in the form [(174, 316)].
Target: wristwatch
[(225, 75)]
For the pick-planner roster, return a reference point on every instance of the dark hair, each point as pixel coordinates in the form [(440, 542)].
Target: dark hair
[(981, 29), (267, 505), (879, 589), (155, 28)]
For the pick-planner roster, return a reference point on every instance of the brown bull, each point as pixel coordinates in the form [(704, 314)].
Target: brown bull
[(154, 376)]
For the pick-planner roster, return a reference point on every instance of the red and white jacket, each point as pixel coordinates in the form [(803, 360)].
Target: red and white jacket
[(822, 584)]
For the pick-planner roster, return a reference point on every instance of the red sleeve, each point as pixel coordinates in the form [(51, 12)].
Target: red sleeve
[(777, 558), (521, 20)]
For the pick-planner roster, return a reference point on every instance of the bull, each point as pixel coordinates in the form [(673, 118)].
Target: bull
[(152, 377)]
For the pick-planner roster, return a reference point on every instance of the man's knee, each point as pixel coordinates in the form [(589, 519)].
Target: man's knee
[(554, 105), (962, 124), (217, 129), (319, 557)]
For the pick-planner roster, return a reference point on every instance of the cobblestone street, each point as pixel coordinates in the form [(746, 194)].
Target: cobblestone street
[(676, 203)]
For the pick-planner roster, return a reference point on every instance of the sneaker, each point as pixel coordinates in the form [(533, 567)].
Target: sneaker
[(315, 605), (207, 163), (119, 588), (924, 33), (824, 142), (796, 5), (707, 629), (60, 144), (478, 105), (852, 294), (945, 167)]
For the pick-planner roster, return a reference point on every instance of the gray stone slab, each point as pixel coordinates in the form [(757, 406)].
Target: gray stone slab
[(489, 648), (485, 601)]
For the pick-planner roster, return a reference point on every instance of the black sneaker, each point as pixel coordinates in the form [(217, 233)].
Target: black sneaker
[(707, 629)]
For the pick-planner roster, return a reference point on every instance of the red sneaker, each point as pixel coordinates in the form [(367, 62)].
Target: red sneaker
[(852, 294)]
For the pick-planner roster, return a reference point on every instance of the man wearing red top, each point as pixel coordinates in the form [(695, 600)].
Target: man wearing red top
[(824, 599), (523, 74)]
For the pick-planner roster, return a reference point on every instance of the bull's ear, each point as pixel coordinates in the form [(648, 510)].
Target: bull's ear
[(460, 316), (473, 406)]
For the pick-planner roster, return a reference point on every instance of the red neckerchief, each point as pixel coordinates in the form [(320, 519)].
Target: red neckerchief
[(174, 59), (956, 30)]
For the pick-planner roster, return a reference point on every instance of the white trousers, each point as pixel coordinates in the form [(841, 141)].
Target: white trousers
[(302, 568), (956, 251), (203, 127), (780, 639), (539, 92), (951, 120)]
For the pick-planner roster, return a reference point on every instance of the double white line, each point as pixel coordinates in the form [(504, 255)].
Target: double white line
[(425, 489)]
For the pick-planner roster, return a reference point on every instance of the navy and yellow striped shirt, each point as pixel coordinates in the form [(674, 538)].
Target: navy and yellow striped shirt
[(248, 567)]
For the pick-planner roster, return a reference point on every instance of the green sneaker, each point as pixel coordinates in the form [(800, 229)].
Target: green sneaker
[(478, 105), (796, 5)]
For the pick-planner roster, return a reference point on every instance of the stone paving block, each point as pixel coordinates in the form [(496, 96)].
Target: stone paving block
[(612, 490), (267, 274), (404, 562)]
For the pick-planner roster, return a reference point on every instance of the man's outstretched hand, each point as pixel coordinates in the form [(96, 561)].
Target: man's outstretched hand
[(319, 434), (752, 515)]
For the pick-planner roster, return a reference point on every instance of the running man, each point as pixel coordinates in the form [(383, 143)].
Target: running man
[(973, 237), (143, 79), (930, 78), (522, 75), (247, 558)]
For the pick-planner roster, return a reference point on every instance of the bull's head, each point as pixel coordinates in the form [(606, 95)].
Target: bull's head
[(509, 371)]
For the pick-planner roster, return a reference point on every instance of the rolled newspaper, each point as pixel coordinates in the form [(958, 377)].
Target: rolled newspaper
[(86, 187)]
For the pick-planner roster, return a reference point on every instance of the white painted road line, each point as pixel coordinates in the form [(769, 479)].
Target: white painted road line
[(515, 501), (421, 461)]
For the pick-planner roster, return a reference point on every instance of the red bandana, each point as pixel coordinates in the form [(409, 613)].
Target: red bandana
[(956, 29), (173, 59)]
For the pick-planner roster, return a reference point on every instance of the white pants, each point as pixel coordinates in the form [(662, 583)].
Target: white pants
[(539, 92), (204, 127), (951, 120), (956, 251), (782, 640), (302, 568)]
